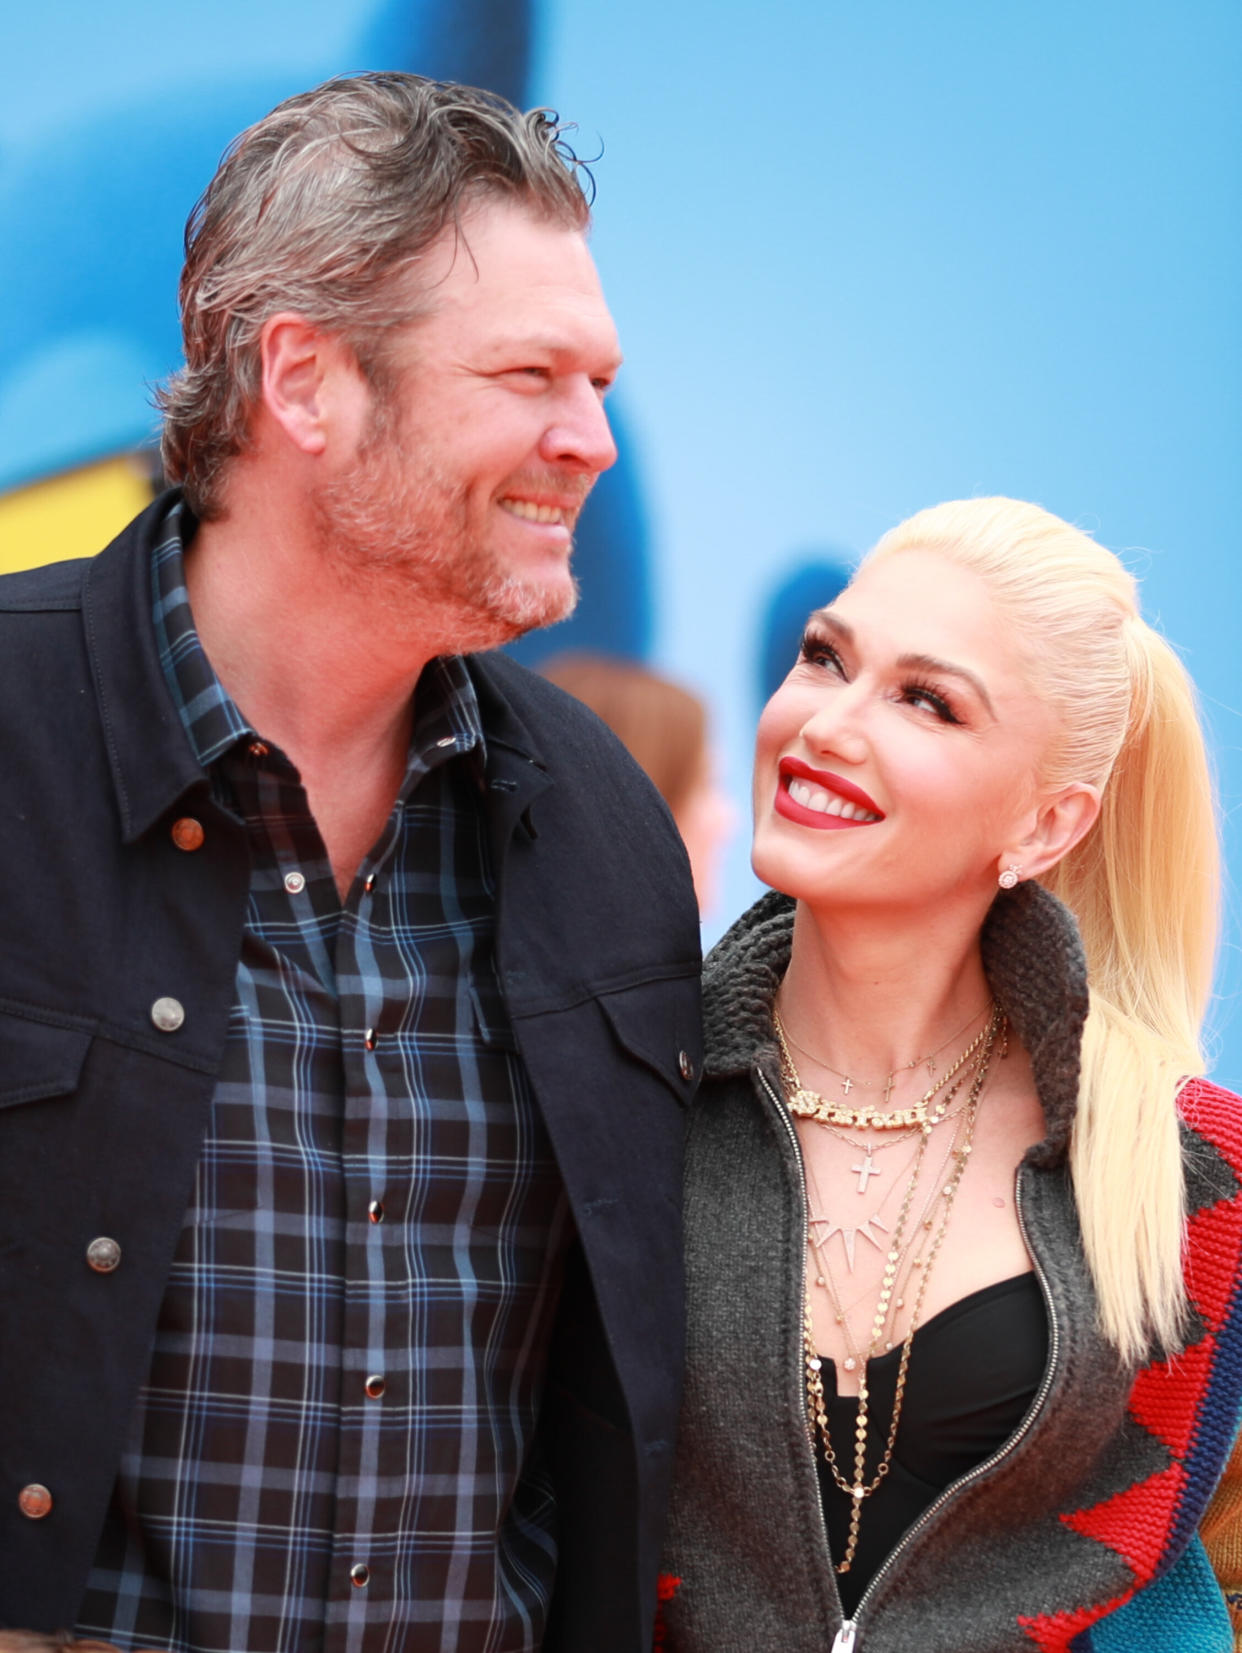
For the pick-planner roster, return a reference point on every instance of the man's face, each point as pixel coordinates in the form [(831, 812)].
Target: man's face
[(477, 457)]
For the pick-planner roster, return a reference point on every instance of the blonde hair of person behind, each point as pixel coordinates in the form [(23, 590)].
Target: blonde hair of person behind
[(661, 725), (1143, 884)]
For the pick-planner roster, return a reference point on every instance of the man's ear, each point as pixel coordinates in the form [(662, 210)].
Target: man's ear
[(1063, 820), (307, 376)]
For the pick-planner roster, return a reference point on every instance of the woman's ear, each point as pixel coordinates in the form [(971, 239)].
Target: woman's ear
[(1063, 820)]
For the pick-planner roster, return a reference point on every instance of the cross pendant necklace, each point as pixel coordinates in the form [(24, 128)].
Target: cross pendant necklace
[(866, 1170)]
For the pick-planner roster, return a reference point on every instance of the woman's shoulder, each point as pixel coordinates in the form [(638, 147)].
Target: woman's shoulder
[(1213, 1112), (740, 978)]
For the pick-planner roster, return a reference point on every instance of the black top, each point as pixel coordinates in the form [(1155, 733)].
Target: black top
[(974, 1370)]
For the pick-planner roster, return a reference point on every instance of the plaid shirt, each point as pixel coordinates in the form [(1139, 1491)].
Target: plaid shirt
[(331, 1449)]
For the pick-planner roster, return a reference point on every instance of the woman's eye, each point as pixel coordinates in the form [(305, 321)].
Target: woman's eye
[(818, 651), (917, 694)]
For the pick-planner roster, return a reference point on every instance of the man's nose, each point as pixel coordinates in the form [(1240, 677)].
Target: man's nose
[(580, 434)]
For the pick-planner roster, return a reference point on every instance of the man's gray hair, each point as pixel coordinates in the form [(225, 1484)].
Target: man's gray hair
[(320, 208)]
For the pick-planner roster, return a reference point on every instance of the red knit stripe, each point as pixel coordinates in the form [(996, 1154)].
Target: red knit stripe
[(1135, 1523), (1167, 1394), (1053, 1632)]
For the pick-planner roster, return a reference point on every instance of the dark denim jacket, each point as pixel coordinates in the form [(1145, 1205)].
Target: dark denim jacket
[(102, 1111)]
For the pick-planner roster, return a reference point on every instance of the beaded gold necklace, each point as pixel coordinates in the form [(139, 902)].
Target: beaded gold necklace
[(859, 1487)]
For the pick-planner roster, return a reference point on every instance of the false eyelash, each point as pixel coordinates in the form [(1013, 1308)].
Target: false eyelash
[(815, 642), (943, 709)]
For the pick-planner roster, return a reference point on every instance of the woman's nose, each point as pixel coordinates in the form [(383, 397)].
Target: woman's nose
[(837, 724)]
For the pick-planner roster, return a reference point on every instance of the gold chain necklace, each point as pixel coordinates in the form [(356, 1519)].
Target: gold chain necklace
[(848, 1082), (809, 1104), (859, 1488)]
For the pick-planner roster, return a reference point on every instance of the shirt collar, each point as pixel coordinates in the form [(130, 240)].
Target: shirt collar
[(447, 720)]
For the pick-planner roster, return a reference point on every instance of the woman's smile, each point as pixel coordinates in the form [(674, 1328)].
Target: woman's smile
[(818, 798)]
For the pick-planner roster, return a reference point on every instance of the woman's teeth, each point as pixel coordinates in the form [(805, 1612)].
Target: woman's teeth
[(827, 803)]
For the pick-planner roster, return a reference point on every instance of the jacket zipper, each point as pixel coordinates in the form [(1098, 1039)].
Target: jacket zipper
[(782, 1113), (846, 1640)]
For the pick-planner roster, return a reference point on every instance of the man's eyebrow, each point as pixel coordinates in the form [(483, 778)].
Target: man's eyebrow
[(545, 344), (910, 662)]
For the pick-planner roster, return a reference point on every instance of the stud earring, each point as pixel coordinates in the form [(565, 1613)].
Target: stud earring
[(1009, 878)]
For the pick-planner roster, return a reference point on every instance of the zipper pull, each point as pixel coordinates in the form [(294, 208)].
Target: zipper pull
[(845, 1638)]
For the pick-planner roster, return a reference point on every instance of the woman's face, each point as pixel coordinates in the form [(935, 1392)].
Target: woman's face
[(897, 763)]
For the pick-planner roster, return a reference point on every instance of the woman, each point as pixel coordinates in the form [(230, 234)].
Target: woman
[(933, 1406)]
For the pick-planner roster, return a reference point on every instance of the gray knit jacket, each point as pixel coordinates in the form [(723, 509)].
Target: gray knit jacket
[(1079, 1533)]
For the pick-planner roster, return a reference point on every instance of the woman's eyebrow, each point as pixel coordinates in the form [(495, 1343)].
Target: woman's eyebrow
[(910, 662), (932, 663)]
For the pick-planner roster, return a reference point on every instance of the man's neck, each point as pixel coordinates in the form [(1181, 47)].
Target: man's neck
[(315, 669)]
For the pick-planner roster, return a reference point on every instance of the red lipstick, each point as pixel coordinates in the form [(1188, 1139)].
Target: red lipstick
[(785, 805)]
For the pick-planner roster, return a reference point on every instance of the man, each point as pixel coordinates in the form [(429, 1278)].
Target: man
[(348, 1002)]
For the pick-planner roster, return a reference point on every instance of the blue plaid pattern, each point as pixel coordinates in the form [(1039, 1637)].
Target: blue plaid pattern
[(334, 1446)]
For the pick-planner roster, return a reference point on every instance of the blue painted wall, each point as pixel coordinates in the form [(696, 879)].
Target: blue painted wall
[(862, 257), (866, 257)]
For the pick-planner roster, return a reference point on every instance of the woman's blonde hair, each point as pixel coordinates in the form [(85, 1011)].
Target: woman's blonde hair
[(1143, 884)]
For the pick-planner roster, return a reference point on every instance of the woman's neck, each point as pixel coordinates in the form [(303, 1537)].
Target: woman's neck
[(865, 999)]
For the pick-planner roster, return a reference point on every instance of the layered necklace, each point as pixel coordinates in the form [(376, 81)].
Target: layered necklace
[(825, 1110), (914, 1242)]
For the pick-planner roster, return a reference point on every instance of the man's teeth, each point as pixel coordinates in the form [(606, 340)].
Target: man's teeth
[(827, 803), (534, 513)]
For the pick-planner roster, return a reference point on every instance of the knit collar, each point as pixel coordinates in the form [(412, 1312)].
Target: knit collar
[(1034, 963)]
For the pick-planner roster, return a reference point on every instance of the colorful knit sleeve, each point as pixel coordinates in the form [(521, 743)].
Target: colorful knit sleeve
[(1221, 1531)]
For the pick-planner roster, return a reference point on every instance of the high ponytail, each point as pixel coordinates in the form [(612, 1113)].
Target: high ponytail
[(1143, 884)]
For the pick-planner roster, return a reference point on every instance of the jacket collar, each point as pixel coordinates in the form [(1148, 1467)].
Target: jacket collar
[(152, 761), (153, 764), (1034, 963)]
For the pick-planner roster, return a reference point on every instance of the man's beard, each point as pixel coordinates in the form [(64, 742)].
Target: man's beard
[(408, 540)]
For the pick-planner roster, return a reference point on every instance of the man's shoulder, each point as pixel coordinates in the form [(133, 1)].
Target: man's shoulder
[(547, 713), (54, 587), (561, 735)]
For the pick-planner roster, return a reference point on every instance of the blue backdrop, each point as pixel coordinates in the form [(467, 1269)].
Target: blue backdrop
[(863, 258)]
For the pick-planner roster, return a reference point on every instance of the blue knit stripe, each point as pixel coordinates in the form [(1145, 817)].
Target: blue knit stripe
[(1183, 1612)]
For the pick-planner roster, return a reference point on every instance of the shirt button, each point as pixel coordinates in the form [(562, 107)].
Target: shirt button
[(168, 1014), (448, 740), (376, 1211), (295, 882), (34, 1501), (375, 1385), (368, 1038), (685, 1066), (359, 1575), (257, 748), (103, 1254), (187, 833), (368, 882)]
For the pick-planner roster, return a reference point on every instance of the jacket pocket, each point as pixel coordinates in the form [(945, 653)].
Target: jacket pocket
[(658, 1022), (40, 1056)]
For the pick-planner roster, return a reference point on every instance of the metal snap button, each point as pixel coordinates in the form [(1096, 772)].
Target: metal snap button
[(685, 1066), (295, 882), (168, 1014), (187, 833), (368, 1038), (34, 1501), (359, 1575), (375, 1211), (103, 1254), (375, 1385), (257, 748)]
